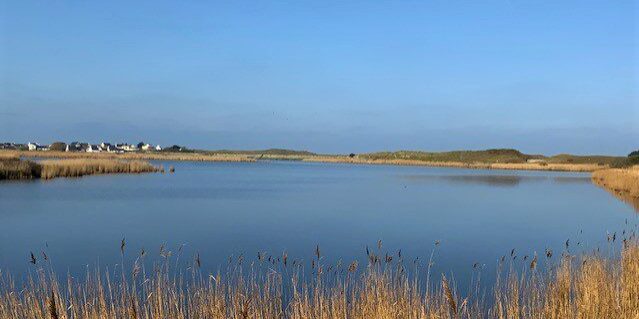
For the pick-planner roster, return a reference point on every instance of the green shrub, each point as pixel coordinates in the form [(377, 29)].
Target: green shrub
[(58, 146), (626, 162)]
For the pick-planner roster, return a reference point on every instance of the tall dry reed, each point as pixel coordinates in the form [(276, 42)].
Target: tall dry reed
[(12, 168), (586, 286)]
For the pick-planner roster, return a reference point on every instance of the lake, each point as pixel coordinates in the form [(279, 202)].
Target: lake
[(226, 209)]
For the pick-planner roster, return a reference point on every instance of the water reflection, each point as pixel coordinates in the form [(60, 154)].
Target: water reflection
[(498, 180), (572, 179), (627, 198), (227, 209), (490, 180)]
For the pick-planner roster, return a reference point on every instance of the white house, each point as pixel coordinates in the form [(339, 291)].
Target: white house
[(130, 148), (158, 148), (112, 149), (94, 148), (147, 147), (37, 147), (77, 147)]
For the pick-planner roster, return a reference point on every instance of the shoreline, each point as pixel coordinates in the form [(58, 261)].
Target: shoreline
[(556, 167), (344, 159)]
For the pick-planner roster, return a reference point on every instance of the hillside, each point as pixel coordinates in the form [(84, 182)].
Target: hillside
[(485, 156)]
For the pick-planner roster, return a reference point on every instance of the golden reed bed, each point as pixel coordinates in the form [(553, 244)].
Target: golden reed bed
[(12, 168), (623, 183), (81, 167), (585, 286)]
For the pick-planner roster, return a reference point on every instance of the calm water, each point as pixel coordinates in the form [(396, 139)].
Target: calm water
[(224, 209)]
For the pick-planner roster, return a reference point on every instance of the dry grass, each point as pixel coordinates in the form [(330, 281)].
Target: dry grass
[(16, 169), (82, 167), (12, 168), (587, 286), (623, 183)]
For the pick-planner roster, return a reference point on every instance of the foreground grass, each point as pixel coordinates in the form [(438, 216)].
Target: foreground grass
[(15, 169), (623, 183), (585, 286)]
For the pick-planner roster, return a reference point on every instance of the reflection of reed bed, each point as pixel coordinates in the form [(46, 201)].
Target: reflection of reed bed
[(623, 183), (82, 167), (586, 286), (492, 180)]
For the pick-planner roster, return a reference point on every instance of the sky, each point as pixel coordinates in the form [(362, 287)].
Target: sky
[(333, 77)]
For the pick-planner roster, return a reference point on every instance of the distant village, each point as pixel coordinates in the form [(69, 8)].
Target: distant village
[(91, 148)]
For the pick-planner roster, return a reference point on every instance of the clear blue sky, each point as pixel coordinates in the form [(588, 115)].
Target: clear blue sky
[(540, 76)]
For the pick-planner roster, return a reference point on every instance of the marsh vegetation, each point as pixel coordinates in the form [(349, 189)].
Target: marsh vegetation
[(13, 168), (508, 159), (387, 286)]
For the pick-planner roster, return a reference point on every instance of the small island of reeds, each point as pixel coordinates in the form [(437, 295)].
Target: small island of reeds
[(14, 168)]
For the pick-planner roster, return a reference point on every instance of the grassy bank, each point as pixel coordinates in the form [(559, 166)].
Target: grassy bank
[(470, 165), (12, 168), (585, 286), (501, 156), (621, 182)]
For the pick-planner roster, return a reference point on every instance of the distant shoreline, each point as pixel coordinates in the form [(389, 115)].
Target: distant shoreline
[(364, 159)]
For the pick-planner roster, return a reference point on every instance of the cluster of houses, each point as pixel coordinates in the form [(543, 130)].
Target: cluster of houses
[(13, 146), (93, 148), (111, 148), (84, 147)]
